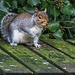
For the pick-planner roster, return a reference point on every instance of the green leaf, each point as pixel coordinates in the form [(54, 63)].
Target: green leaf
[(45, 4), (2, 7), (21, 2), (65, 17), (44, 36), (73, 12), (20, 10), (29, 10), (54, 12), (14, 4), (66, 10), (67, 2), (33, 2), (1, 15), (73, 19), (54, 26), (50, 1), (58, 34)]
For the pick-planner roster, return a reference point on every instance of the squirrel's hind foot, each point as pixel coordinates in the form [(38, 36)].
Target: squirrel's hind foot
[(13, 44), (37, 45)]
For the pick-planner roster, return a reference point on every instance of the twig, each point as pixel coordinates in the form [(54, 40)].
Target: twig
[(68, 27), (67, 21)]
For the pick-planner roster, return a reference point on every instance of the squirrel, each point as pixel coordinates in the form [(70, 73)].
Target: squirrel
[(24, 28)]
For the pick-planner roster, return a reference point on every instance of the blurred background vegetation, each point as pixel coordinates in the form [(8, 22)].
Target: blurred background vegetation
[(61, 15)]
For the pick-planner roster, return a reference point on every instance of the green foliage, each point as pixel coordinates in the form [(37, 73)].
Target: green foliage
[(58, 34), (33, 2), (2, 7), (55, 12), (45, 36), (54, 26), (58, 11)]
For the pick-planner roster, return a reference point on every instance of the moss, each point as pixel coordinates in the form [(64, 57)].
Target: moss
[(70, 40), (36, 62), (9, 65), (63, 46), (53, 54), (25, 55)]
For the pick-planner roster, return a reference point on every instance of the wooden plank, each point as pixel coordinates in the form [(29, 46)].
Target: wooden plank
[(71, 41), (9, 66), (34, 61), (63, 46), (59, 58)]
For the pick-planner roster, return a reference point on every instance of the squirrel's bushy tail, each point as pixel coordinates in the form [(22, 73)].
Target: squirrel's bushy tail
[(7, 19)]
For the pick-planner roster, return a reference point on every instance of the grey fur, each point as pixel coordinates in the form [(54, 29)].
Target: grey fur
[(29, 29), (4, 32)]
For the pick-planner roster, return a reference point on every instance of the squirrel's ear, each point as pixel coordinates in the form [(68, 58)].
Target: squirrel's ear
[(45, 10), (36, 11)]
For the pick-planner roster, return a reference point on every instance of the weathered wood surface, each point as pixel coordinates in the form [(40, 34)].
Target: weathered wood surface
[(63, 60), (55, 57), (33, 61), (63, 47), (8, 65), (71, 41)]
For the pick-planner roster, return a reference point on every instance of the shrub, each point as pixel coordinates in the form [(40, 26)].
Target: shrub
[(61, 15)]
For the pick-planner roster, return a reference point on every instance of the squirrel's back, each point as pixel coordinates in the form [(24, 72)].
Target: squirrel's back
[(7, 19)]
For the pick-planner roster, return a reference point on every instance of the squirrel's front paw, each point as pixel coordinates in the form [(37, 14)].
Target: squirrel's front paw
[(37, 45)]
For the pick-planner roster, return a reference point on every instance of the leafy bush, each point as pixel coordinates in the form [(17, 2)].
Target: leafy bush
[(61, 15)]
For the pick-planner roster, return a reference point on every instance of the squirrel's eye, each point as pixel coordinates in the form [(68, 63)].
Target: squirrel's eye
[(40, 17)]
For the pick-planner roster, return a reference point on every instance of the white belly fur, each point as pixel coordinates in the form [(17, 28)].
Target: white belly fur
[(36, 29), (21, 37)]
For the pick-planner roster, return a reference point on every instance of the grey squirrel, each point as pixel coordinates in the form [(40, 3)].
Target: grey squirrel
[(24, 28)]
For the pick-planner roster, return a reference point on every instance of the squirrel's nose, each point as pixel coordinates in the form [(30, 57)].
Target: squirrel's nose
[(47, 23)]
